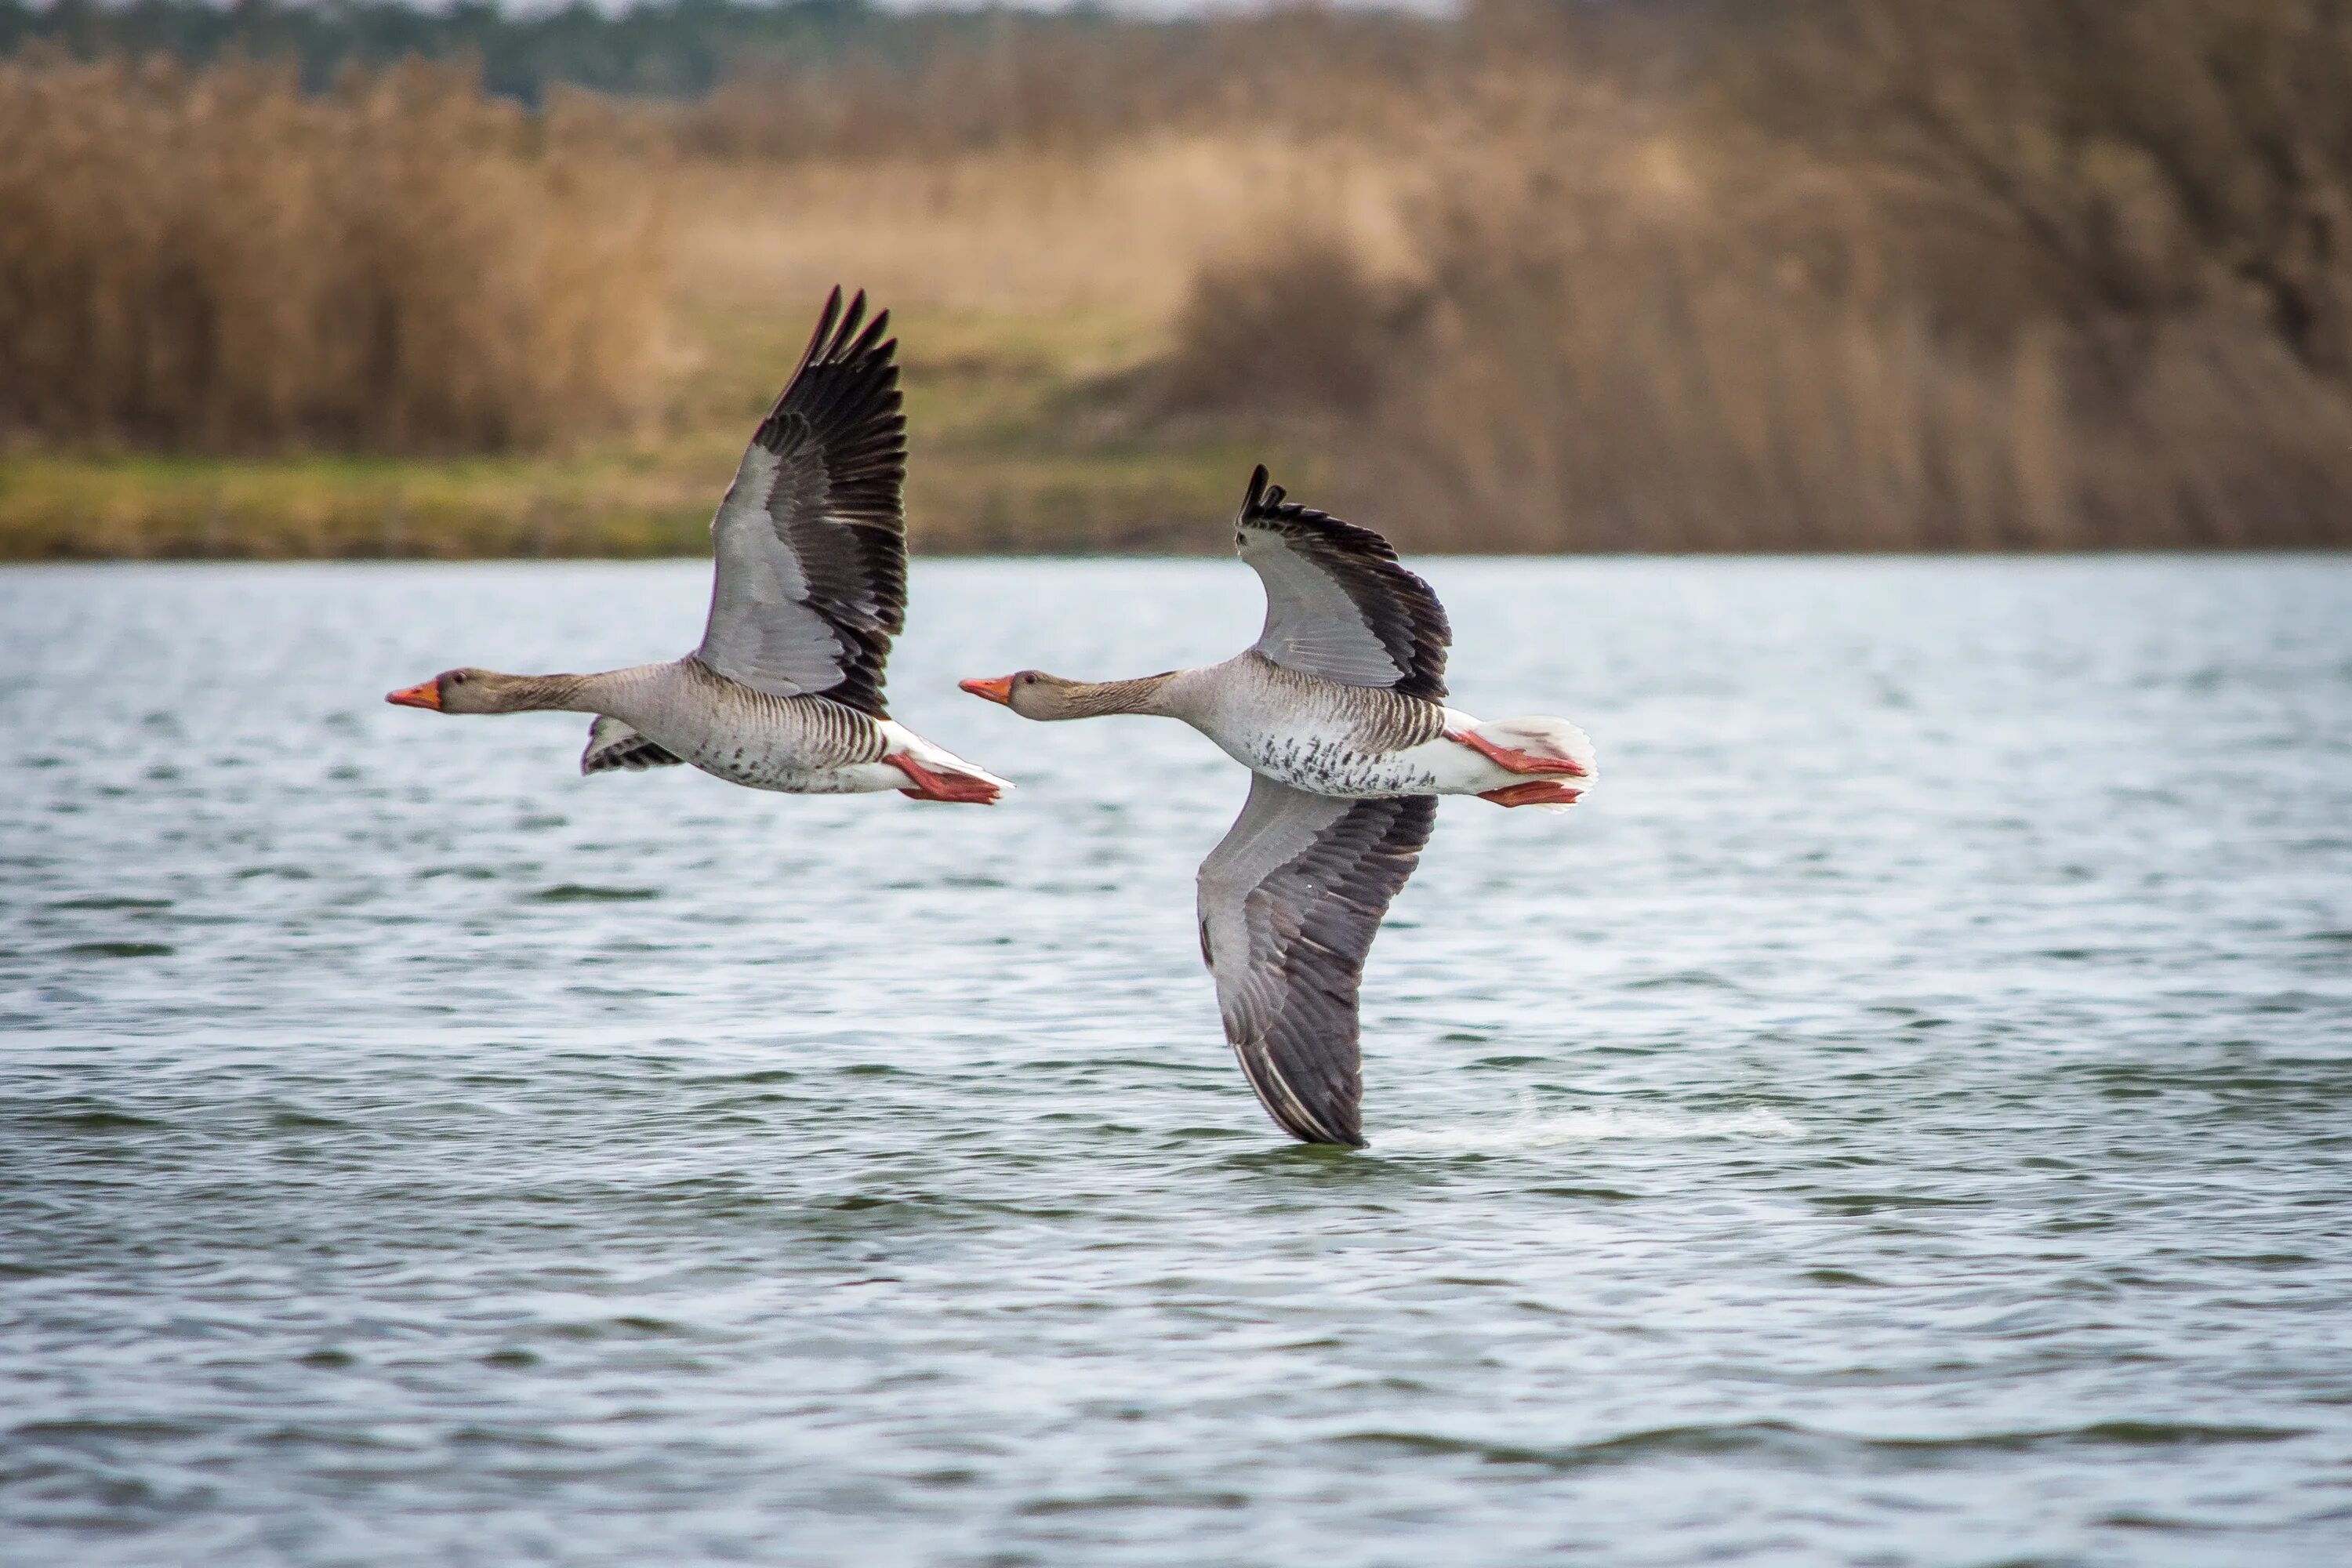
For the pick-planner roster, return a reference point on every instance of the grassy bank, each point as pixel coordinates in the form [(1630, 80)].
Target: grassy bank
[(1024, 367), (1005, 457), (1002, 460)]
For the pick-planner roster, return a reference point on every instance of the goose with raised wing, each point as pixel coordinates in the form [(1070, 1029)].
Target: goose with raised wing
[(785, 693), (1338, 712)]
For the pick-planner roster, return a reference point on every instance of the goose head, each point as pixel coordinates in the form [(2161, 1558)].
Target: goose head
[(1033, 694), (474, 691)]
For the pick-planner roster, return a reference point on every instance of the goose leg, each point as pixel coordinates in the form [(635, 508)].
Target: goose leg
[(930, 785), (1513, 761), (1535, 792)]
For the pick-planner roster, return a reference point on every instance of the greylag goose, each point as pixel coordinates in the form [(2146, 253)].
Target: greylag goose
[(1339, 712), (785, 693)]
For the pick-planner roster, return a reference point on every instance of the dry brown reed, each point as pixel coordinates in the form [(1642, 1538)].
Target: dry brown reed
[(1302, 323), (1686, 275), (2039, 274), (1020, 232), (213, 261)]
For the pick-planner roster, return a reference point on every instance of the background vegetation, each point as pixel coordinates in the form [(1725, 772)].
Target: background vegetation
[(1682, 275)]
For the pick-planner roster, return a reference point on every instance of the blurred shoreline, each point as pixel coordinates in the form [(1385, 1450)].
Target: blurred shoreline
[(1680, 278)]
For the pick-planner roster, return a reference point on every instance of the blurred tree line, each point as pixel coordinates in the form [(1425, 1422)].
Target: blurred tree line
[(660, 48)]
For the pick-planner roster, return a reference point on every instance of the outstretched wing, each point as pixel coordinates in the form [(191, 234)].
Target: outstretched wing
[(612, 745), (1336, 603), (811, 540), (1289, 903)]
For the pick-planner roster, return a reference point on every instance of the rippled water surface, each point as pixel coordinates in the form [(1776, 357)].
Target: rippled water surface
[(1902, 1118)]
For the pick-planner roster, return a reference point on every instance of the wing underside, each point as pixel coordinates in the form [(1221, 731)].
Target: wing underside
[(612, 745), (1338, 605), (1289, 903), (810, 541)]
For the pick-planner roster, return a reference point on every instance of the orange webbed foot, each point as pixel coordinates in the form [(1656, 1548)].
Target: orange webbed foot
[(1513, 761), (960, 788), (1535, 792)]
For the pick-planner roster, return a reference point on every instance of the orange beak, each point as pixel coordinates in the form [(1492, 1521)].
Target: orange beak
[(426, 694), (997, 690)]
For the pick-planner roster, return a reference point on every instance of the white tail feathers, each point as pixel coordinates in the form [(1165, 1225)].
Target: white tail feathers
[(1539, 735), (936, 757), (1546, 737), (955, 764)]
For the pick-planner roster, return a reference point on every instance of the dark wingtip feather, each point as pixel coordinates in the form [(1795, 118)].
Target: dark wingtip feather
[(849, 321), (817, 344), (825, 320)]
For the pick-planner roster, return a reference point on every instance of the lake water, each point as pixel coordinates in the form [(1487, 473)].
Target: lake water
[(1904, 1116)]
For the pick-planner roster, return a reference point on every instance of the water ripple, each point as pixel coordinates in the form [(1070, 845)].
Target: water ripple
[(1899, 1118)]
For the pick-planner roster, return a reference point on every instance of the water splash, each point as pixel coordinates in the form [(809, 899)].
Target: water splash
[(1530, 1130)]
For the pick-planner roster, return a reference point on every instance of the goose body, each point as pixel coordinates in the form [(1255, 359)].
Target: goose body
[(809, 586), (1339, 712), (1357, 742), (684, 712)]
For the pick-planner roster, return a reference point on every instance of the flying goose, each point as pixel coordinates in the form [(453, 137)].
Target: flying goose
[(1339, 712), (785, 693)]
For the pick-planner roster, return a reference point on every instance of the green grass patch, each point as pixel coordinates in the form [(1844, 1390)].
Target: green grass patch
[(1025, 435)]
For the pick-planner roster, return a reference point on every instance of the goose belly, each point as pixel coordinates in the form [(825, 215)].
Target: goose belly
[(857, 778), (1340, 764), (1334, 757), (771, 763)]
